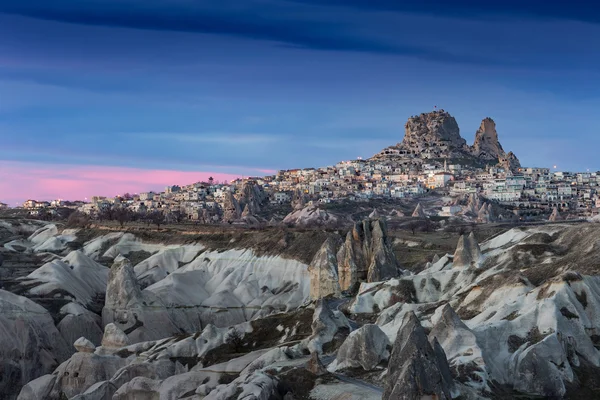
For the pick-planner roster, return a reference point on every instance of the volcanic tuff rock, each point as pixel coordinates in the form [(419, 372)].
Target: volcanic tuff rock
[(435, 135), (555, 216), (138, 313), (486, 145), (435, 131), (510, 162), (323, 271), (416, 369), (231, 208), (366, 254), (467, 251), (326, 324), (418, 213), (30, 344), (364, 348)]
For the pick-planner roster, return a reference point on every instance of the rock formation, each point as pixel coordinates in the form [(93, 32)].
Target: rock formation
[(323, 270), (366, 254), (416, 370), (460, 345), (467, 252), (252, 197), (231, 208), (30, 344), (435, 132), (84, 345), (435, 135), (326, 325), (510, 162), (139, 313), (418, 213), (555, 216), (364, 348), (486, 145), (374, 214), (383, 263)]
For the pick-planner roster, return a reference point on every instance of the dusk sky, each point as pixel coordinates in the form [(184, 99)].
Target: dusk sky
[(107, 96)]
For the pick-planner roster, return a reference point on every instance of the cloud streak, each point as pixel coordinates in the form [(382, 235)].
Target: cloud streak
[(287, 24), (578, 10)]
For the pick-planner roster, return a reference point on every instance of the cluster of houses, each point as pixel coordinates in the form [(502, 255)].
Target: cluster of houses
[(361, 180)]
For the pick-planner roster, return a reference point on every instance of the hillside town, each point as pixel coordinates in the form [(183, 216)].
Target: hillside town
[(432, 158)]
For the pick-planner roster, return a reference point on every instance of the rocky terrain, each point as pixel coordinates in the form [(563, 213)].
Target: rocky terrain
[(436, 136), (316, 314)]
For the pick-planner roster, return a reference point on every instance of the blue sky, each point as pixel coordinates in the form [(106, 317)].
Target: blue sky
[(238, 87)]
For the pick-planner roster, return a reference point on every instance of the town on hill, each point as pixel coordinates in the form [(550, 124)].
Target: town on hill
[(480, 182)]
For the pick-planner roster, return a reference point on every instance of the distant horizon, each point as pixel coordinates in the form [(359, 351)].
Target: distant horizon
[(111, 90)]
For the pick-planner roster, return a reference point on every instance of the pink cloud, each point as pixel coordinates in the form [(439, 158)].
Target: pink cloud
[(20, 181)]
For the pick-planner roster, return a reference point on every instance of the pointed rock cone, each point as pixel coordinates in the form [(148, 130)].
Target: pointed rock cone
[(416, 370), (323, 271), (555, 216), (246, 212), (374, 214), (467, 252), (419, 213)]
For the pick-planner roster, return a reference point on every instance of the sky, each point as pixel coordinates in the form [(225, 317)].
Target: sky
[(100, 97)]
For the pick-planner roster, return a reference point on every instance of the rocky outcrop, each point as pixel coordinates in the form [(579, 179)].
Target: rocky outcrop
[(435, 132), (311, 216), (326, 326), (486, 145), (555, 216), (366, 254), (436, 135), (418, 212), (30, 344), (416, 370), (364, 348), (383, 263), (467, 252), (84, 345), (252, 197), (323, 270), (374, 214), (460, 347), (510, 162), (231, 208), (140, 314)]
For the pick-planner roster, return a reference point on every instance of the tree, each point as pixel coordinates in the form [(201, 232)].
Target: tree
[(211, 180), (122, 215), (157, 218), (235, 338)]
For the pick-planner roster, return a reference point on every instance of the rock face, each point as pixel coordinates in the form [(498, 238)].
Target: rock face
[(364, 348), (435, 135), (419, 213), (383, 263), (510, 162), (435, 132), (486, 145), (460, 346), (366, 254), (138, 313), (467, 252), (326, 325), (30, 344), (555, 216), (231, 208), (323, 270), (416, 369), (84, 345)]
